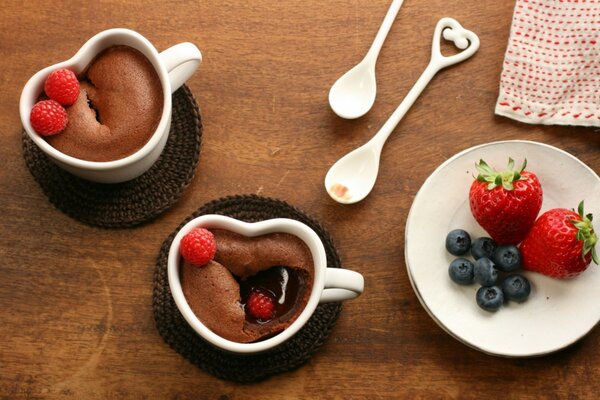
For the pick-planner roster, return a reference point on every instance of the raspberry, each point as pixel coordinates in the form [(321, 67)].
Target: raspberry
[(260, 305), (47, 117), (62, 85), (198, 246)]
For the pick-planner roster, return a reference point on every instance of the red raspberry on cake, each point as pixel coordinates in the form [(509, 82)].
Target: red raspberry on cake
[(47, 117), (260, 305), (198, 246), (62, 85)]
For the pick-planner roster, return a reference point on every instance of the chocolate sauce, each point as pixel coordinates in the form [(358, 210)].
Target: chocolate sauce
[(287, 286)]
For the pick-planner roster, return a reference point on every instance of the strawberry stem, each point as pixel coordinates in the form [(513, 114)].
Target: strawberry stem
[(585, 233), (499, 178)]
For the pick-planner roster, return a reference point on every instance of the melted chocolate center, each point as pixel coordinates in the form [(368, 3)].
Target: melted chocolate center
[(286, 285)]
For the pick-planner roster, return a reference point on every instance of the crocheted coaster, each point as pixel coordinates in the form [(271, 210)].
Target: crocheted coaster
[(127, 204), (243, 368)]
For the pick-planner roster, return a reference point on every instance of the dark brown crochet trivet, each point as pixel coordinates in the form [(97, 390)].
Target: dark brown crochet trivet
[(249, 368), (127, 204)]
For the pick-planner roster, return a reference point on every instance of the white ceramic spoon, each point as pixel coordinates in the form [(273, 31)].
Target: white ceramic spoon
[(353, 176), (353, 94)]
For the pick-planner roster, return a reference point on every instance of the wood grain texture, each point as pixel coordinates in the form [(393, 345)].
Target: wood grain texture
[(76, 302)]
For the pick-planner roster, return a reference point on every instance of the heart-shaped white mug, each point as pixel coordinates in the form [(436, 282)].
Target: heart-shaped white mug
[(330, 284), (174, 66)]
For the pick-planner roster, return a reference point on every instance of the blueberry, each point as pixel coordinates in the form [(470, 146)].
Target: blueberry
[(516, 287), (507, 258), (483, 247), (484, 272), (461, 271), (458, 242), (490, 298)]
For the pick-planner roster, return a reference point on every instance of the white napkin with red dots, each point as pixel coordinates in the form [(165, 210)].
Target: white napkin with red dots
[(551, 71)]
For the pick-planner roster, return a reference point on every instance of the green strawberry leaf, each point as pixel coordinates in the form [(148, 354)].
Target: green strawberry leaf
[(524, 165), (511, 164), (499, 178), (586, 233), (508, 186)]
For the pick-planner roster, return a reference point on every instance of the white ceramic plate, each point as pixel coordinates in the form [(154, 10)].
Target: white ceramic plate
[(558, 312)]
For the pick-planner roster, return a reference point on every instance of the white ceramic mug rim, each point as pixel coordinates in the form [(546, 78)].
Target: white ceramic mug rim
[(294, 227), (30, 93)]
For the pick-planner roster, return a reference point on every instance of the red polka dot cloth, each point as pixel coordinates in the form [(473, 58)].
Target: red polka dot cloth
[(551, 71)]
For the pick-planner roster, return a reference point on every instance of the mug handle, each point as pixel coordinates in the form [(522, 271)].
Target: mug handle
[(341, 284), (181, 61)]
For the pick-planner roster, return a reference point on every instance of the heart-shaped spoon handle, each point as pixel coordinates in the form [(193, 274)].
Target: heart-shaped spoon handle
[(463, 39)]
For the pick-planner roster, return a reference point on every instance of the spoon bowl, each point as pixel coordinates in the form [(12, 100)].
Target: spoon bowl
[(353, 176), (353, 94)]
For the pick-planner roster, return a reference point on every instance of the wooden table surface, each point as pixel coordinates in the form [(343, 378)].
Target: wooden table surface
[(76, 301)]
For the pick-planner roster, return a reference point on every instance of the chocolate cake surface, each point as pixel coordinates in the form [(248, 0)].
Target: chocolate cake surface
[(118, 109), (214, 296), (216, 291)]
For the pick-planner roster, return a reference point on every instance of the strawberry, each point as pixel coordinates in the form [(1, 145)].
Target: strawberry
[(505, 203), (561, 243)]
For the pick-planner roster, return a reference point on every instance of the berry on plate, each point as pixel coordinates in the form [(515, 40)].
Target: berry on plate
[(48, 117), (483, 247), (461, 271), (260, 305), (198, 246), (62, 86), (516, 287), (561, 243), (507, 258), (489, 298), (484, 272), (505, 203), (458, 242)]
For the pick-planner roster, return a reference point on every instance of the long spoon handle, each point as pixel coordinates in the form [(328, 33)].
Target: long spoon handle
[(388, 127), (463, 38), (373, 52)]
